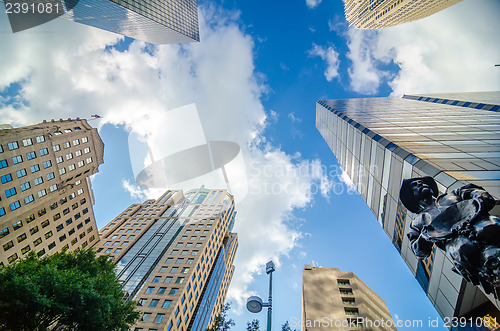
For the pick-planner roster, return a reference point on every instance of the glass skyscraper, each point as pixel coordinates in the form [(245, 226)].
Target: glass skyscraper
[(376, 14), (174, 256), (153, 21), (454, 138)]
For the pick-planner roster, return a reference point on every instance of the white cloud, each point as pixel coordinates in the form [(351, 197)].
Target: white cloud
[(294, 118), (64, 69), (331, 57), (312, 3), (452, 50)]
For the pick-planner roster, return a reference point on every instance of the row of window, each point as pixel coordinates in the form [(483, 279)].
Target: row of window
[(26, 142)]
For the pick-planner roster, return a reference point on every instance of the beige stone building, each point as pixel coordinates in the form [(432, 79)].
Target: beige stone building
[(45, 194), (174, 256), (376, 14), (337, 300)]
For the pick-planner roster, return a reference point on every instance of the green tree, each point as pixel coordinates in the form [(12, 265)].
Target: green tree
[(253, 325), (286, 327), (73, 291), (222, 322)]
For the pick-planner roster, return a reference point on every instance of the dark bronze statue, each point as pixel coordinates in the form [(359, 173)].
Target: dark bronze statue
[(458, 223)]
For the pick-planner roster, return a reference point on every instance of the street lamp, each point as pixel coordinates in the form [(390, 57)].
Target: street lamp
[(255, 304)]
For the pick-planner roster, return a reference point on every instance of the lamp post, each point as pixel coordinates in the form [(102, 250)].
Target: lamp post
[(255, 304)]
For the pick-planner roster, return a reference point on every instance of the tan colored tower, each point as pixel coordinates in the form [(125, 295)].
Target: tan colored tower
[(45, 196), (370, 14), (174, 256), (336, 300)]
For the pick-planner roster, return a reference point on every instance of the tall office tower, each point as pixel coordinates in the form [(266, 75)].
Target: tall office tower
[(337, 300), (370, 14), (174, 257), (453, 138), (45, 197), (155, 21)]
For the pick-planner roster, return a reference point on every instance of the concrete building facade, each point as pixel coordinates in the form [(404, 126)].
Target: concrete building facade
[(337, 300), (376, 14), (154, 21), (45, 197), (454, 138), (174, 256)]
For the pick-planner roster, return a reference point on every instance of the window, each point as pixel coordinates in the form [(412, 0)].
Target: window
[(38, 181), (37, 242), (153, 303), (29, 199), (179, 260), (44, 151), (10, 192), (85, 139), (34, 168), (53, 188), (59, 159), (25, 186), (76, 142), (34, 230), (168, 280), (47, 164), (78, 153), (351, 311), (42, 193), (179, 280), (161, 290), (40, 139), (62, 171), (67, 144), (80, 191), (89, 160), (17, 159), (145, 317), (167, 304), (56, 148), (13, 145), (48, 235), (1, 149), (156, 279), (69, 156), (8, 245), (50, 176), (59, 227), (6, 178), (343, 282), (174, 270), (141, 302), (80, 164), (348, 301), (3, 164), (345, 291), (185, 270), (13, 206), (12, 258), (25, 249), (4, 232), (21, 173), (194, 253), (21, 237), (2, 211), (149, 290), (173, 291), (86, 150), (159, 318), (31, 155), (45, 223), (71, 167), (189, 261)]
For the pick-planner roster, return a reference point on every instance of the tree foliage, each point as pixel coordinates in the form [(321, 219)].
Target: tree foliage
[(286, 327), (222, 322), (253, 325), (69, 291)]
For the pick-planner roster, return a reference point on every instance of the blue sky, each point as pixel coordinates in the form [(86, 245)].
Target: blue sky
[(254, 79)]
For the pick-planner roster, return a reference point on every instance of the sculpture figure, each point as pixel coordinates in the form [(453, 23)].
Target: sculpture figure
[(458, 223)]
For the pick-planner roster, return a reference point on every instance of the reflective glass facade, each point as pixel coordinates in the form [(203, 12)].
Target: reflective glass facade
[(381, 141), (174, 257), (376, 14), (153, 21)]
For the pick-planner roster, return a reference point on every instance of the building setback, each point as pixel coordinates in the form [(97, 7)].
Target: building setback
[(45, 197), (370, 14), (454, 138), (174, 256), (337, 300), (154, 21)]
